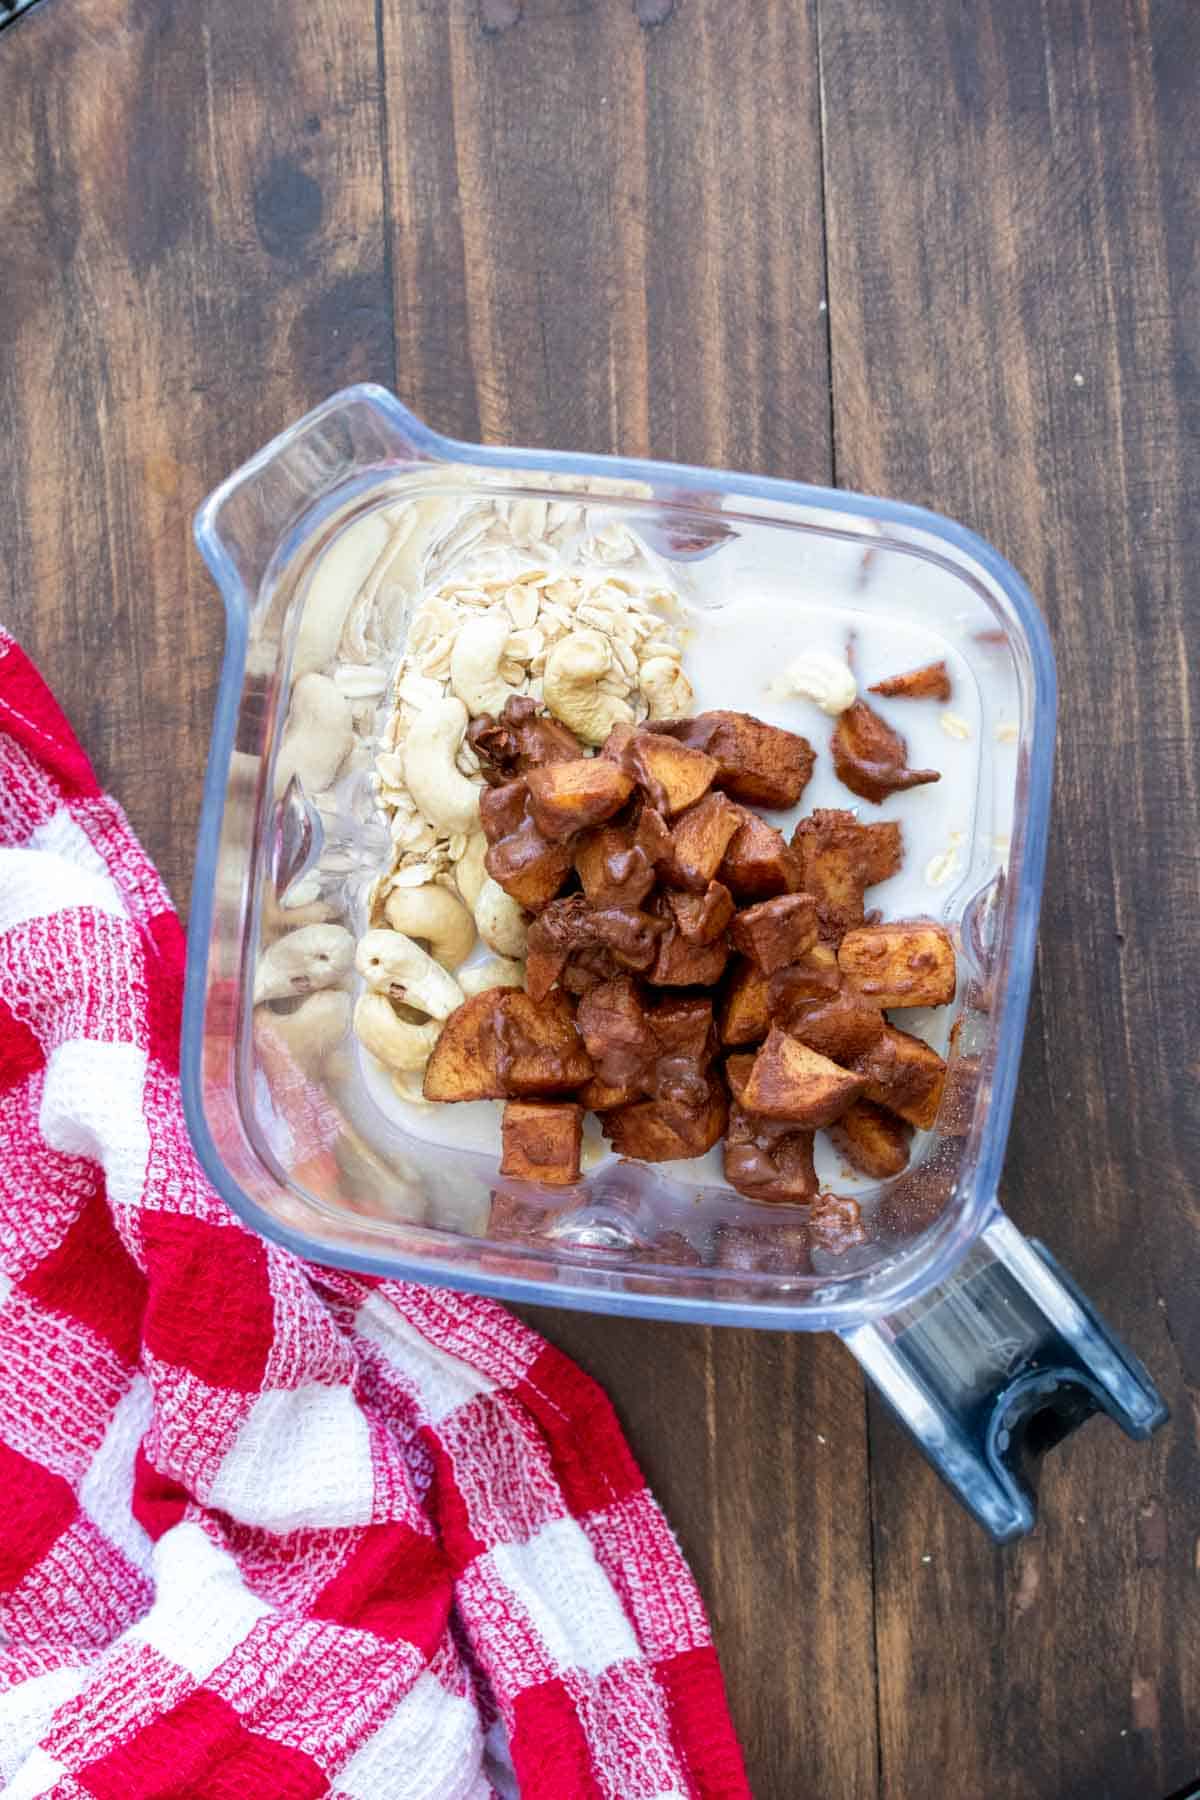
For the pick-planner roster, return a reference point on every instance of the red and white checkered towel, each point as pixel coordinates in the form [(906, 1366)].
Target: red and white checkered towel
[(268, 1530)]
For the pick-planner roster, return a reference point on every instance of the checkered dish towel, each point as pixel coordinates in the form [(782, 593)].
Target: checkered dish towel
[(268, 1530)]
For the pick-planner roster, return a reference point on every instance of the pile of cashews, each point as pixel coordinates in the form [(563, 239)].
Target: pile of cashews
[(409, 992)]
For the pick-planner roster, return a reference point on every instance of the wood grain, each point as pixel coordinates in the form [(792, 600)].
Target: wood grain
[(594, 265), (192, 246), (595, 224), (1013, 283)]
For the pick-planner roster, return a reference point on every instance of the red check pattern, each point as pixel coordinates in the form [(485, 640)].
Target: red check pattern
[(269, 1530)]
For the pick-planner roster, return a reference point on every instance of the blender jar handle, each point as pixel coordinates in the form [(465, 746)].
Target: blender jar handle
[(997, 1365)]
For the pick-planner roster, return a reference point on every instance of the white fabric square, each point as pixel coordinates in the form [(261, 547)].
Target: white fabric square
[(26, 1710), (634, 1544), (33, 885), (442, 1382), (92, 1106), (38, 1774), (202, 1608), (431, 1744), (301, 1460), (60, 835), (556, 1580), (106, 1492)]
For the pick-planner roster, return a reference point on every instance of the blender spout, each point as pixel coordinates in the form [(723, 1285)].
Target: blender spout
[(248, 522)]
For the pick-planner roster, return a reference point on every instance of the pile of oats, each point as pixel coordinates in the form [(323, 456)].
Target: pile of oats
[(547, 571), (418, 568)]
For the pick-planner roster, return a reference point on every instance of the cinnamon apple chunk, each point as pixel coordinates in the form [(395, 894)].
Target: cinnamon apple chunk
[(898, 965), (790, 1081), (873, 1140), (566, 797), (663, 1130), (501, 1044), (541, 1141), (902, 1073)]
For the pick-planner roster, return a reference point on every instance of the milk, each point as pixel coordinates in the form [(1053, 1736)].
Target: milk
[(745, 613)]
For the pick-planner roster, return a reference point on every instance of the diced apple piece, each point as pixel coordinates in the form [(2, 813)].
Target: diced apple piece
[(503, 809), (662, 1131), (737, 1072), (899, 965), (790, 1081), (541, 1142), (683, 1027), (758, 861), (776, 932), (930, 682), (566, 797), (813, 976), (699, 840), (881, 850), (773, 1245), (543, 967), (604, 1096), (842, 1027), (683, 963), (768, 1161), (502, 1044), (617, 863), (701, 918), (873, 1141), (835, 1224), (839, 860), (906, 1076), (758, 763), (617, 1031), (465, 1060), (745, 1012), (673, 775), (528, 866), (870, 758)]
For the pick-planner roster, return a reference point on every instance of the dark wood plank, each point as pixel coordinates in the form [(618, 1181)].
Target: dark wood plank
[(1012, 230), (615, 244), (191, 253)]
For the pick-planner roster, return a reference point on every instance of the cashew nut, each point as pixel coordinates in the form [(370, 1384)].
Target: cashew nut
[(819, 676), (277, 918), (392, 964), (334, 585), (398, 1044), (501, 920), (316, 1027), (469, 871), (317, 736), (497, 971), (443, 794), (574, 667), (667, 689), (475, 664), (316, 956), (436, 916)]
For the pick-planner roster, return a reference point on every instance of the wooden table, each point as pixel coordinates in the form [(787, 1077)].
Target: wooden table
[(941, 251)]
